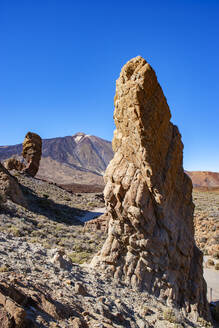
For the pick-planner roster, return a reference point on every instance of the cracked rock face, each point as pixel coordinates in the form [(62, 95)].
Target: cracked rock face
[(10, 188), (150, 243), (32, 151), (14, 164)]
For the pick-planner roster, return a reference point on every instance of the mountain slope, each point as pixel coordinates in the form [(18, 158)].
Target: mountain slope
[(79, 158), (82, 159), (204, 178)]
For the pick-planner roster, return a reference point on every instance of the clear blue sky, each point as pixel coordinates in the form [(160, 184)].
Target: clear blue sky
[(59, 60)]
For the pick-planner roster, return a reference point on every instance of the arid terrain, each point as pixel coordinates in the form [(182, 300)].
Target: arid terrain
[(138, 265), (44, 255), (207, 221), (78, 163), (77, 159), (204, 180)]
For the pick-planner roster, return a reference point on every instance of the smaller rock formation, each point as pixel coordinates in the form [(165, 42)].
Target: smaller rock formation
[(17, 301), (9, 187), (14, 164), (32, 151), (100, 223)]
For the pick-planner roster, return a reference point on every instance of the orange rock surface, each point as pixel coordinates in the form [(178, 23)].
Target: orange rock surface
[(150, 243)]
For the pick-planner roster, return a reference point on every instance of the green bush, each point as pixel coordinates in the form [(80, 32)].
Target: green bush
[(173, 316), (4, 268), (216, 255), (79, 258)]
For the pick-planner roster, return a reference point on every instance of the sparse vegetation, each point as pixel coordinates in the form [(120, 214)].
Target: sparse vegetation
[(207, 221), (15, 231), (79, 257), (169, 315), (210, 262), (51, 220), (216, 255), (216, 266), (45, 196), (4, 268), (203, 323)]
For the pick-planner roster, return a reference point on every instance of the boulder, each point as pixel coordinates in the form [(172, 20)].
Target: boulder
[(32, 151), (150, 243), (10, 188), (19, 300), (100, 223), (14, 164)]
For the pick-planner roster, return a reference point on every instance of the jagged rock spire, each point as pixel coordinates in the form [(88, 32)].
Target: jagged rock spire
[(32, 151), (150, 243)]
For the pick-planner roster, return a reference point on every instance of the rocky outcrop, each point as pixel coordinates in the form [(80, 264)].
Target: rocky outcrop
[(150, 243), (32, 151), (75, 160), (10, 188), (14, 164), (100, 223), (19, 301)]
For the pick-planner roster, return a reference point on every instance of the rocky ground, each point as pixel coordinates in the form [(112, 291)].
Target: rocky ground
[(57, 293), (45, 279), (207, 222), (52, 218)]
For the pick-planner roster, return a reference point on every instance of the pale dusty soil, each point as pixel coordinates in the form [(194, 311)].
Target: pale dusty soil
[(53, 218), (31, 268), (207, 235), (207, 221), (42, 249)]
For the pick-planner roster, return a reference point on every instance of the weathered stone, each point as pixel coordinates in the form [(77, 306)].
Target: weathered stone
[(14, 164), (150, 243), (5, 320), (12, 311), (79, 323), (10, 188), (59, 260), (100, 223), (16, 303), (32, 151), (80, 289)]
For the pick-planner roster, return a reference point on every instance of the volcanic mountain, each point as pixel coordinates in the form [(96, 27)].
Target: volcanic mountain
[(80, 159)]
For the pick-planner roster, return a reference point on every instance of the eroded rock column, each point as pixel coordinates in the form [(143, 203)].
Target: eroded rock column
[(32, 151), (150, 243)]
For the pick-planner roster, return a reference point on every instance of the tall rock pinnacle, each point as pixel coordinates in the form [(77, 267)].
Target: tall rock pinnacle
[(32, 151), (150, 243)]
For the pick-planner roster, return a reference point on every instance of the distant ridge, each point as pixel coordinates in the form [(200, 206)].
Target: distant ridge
[(83, 158), (205, 179), (80, 158)]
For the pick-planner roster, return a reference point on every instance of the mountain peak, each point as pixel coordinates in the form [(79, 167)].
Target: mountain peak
[(79, 134)]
